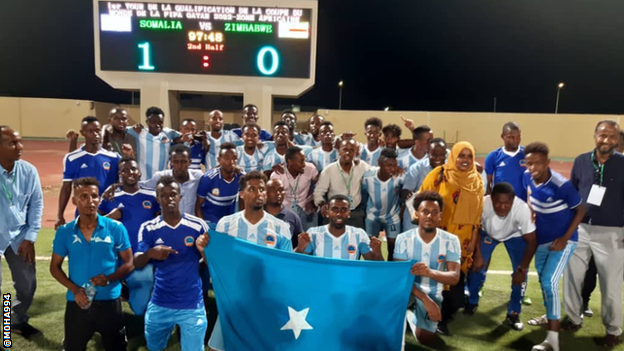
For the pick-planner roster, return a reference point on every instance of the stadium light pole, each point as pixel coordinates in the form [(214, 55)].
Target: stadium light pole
[(559, 87), (340, 84)]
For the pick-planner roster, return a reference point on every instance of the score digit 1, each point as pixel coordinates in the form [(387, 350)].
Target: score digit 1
[(146, 55)]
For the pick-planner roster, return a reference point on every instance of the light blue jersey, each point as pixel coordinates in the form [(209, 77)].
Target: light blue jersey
[(269, 231), (152, 151), (215, 146), (305, 140), (383, 197), (349, 246), (368, 156), (255, 161), (416, 174), (272, 159), (443, 248), (322, 159), (406, 159)]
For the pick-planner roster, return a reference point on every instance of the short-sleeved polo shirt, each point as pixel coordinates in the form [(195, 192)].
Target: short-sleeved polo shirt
[(88, 259)]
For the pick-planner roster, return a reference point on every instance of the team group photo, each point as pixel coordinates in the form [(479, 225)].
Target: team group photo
[(298, 175)]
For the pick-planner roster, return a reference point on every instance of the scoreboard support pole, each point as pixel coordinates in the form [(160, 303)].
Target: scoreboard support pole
[(156, 93), (262, 97)]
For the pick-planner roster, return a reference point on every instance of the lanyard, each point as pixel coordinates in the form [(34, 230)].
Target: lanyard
[(7, 193), (293, 190), (117, 148), (598, 169), (348, 185)]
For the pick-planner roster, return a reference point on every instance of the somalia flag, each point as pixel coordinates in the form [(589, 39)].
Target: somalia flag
[(274, 300)]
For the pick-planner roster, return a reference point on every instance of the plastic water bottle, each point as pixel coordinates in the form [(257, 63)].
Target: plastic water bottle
[(90, 291)]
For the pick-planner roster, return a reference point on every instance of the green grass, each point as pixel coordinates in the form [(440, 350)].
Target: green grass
[(483, 331)]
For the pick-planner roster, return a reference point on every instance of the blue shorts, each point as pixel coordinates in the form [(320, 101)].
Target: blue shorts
[(160, 321), (373, 227), (421, 317), (140, 283)]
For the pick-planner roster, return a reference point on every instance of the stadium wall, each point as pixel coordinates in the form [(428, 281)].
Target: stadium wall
[(52, 118), (567, 135)]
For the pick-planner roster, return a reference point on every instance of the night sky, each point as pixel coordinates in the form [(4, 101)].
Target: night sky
[(437, 55)]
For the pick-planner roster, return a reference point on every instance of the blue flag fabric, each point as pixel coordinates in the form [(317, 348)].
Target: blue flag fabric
[(274, 300)]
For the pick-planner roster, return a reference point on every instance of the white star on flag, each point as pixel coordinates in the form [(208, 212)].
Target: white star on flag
[(297, 321)]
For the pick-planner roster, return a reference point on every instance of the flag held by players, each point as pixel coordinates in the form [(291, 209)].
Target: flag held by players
[(274, 300)]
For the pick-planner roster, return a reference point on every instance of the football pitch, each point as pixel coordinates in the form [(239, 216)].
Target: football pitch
[(483, 331)]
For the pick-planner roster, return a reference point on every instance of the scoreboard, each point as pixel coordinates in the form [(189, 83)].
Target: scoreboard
[(205, 39)]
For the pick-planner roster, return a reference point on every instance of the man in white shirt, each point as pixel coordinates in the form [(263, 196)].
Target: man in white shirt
[(506, 219), (188, 179), (344, 177)]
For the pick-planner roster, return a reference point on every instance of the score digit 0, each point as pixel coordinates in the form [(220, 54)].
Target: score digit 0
[(274, 60)]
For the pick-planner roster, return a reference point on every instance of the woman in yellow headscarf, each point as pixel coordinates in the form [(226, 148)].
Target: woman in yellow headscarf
[(461, 187)]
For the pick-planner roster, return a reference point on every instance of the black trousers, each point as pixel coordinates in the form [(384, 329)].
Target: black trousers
[(104, 317), (453, 299)]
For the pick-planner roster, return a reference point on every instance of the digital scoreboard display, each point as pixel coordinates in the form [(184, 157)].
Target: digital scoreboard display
[(205, 39)]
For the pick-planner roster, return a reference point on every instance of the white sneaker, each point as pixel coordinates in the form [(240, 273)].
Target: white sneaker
[(545, 346)]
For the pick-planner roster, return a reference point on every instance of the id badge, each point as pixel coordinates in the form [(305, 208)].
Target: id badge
[(596, 194), (16, 218), (351, 203), (294, 205)]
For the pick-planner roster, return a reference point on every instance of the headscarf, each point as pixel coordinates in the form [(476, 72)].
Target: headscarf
[(470, 203)]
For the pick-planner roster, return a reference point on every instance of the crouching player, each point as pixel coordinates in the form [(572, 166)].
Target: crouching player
[(436, 254), (169, 241), (505, 219)]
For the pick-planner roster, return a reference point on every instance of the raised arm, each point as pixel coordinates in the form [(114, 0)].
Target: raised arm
[(63, 200), (321, 189)]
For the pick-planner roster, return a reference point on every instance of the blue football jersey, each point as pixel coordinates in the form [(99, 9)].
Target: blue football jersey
[(135, 209)]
